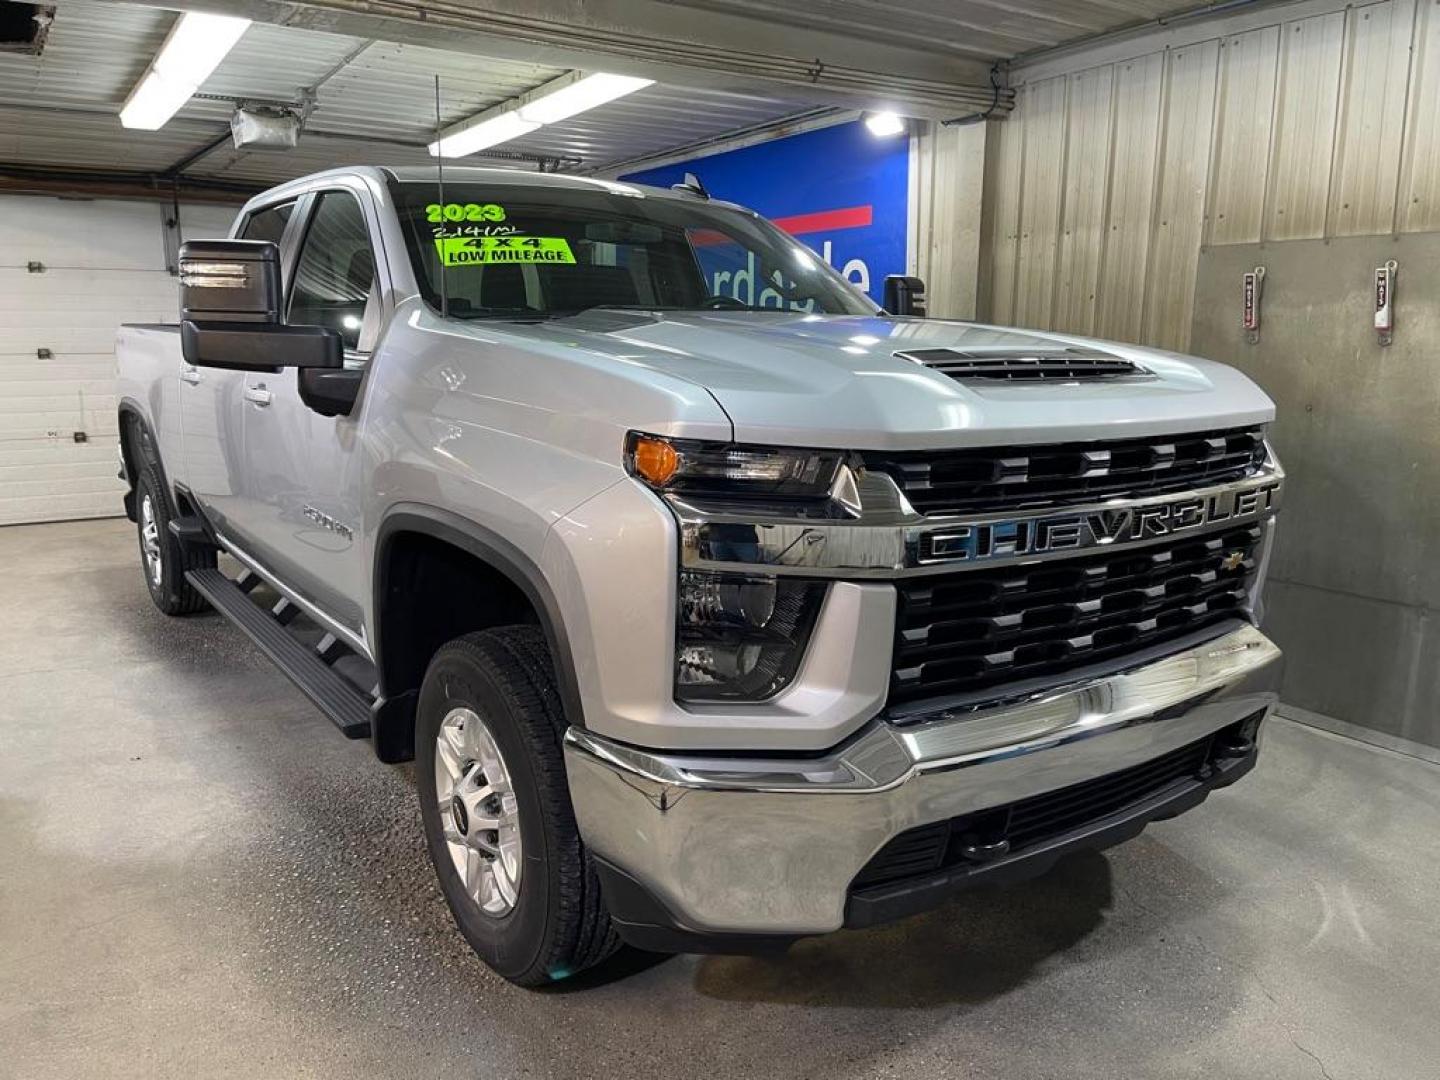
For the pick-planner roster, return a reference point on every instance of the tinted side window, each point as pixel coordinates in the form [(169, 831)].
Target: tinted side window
[(268, 224), (336, 272)]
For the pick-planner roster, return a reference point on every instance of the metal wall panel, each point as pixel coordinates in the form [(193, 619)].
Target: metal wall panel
[(1126, 240), (1354, 579), (1420, 175), (1005, 191), (1189, 123), (1291, 129), (1305, 120), (1087, 184), (949, 178), (1040, 202), (1367, 149), (1248, 65)]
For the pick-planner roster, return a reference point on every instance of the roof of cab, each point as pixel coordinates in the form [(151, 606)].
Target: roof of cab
[(478, 175)]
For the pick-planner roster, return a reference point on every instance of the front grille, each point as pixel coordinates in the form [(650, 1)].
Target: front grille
[(1013, 477), (971, 630), (1069, 365), (1029, 822)]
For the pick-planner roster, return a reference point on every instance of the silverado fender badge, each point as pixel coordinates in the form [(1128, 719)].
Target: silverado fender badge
[(325, 521)]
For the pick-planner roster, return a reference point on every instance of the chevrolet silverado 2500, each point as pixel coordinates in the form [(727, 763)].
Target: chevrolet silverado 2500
[(716, 606)]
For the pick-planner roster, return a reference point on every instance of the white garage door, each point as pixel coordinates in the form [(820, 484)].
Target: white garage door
[(104, 264)]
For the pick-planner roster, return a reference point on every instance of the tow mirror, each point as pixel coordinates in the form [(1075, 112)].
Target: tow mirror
[(904, 295), (230, 301), (230, 281)]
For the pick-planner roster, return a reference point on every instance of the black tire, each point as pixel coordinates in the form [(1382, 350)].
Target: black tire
[(558, 925), (171, 592)]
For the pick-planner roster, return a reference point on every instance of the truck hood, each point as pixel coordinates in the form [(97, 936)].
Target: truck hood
[(836, 381)]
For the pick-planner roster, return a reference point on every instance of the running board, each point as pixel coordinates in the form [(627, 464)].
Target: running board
[(308, 669)]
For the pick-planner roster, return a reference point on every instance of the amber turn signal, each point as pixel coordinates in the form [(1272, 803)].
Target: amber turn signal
[(654, 460)]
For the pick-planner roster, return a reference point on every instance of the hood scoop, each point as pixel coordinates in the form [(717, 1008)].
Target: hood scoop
[(1026, 365)]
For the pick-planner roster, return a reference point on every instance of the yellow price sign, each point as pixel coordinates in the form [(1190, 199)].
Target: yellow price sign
[(471, 250)]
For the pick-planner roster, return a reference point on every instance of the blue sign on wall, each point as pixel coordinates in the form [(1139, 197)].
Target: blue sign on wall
[(839, 190)]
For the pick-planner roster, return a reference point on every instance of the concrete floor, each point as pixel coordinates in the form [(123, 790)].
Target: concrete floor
[(199, 877)]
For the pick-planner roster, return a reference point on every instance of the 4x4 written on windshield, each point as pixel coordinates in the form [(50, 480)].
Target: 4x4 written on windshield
[(472, 250), (470, 245)]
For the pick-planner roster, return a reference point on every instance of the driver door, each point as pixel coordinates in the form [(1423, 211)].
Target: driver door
[(304, 505)]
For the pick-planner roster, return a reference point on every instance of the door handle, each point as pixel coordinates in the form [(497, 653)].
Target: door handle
[(258, 394), (191, 375)]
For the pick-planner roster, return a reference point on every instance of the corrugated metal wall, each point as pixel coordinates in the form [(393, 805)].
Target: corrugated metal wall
[(947, 182), (1108, 179)]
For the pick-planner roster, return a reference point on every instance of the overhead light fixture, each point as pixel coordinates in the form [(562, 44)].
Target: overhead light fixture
[(592, 90), (196, 45), (558, 100), (884, 124), (500, 128)]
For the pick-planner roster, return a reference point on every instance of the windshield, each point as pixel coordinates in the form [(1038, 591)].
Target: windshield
[(526, 251)]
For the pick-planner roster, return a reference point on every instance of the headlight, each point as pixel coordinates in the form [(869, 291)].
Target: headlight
[(740, 637), (697, 468)]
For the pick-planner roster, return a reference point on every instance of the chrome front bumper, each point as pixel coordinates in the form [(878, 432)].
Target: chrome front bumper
[(743, 846)]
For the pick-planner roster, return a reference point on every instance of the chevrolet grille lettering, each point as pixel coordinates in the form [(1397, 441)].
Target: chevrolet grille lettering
[(981, 540)]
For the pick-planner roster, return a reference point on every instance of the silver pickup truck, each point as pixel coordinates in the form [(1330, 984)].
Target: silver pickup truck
[(716, 606)]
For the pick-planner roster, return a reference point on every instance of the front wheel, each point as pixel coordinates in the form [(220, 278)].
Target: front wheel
[(496, 808)]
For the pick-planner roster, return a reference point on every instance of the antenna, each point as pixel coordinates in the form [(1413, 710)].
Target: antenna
[(440, 194), (692, 184)]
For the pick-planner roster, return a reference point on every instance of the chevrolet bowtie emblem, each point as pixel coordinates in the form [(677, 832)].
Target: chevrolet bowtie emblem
[(1233, 560)]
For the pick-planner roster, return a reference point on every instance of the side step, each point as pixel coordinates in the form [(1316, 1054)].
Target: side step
[(346, 706)]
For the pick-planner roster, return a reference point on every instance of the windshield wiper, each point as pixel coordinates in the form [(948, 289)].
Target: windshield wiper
[(514, 314), (728, 305)]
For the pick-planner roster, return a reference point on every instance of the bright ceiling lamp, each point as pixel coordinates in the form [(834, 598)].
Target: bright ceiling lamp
[(486, 133), (884, 124), (558, 100), (195, 47), (592, 90)]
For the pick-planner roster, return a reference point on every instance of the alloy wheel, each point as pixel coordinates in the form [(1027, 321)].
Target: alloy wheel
[(478, 811)]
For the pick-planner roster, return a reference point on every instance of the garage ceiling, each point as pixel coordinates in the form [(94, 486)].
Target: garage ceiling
[(372, 76), (983, 29), (375, 100)]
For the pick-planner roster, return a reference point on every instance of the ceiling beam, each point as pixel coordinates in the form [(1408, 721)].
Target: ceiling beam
[(120, 184), (681, 46)]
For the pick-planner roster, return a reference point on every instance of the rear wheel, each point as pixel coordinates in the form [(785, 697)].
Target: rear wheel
[(498, 821), (163, 558)]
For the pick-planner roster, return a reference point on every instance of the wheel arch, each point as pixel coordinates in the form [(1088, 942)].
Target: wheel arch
[(132, 427), (411, 531), (140, 447)]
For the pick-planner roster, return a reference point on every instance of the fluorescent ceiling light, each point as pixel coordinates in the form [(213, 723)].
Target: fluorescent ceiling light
[(589, 92), (555, 101), (884, 124), (486, 133), (196, 45)]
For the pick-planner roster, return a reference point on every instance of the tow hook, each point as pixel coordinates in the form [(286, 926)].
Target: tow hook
[(973, 849)]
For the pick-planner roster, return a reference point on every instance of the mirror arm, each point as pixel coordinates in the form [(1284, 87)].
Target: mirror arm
[(330, 391)]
